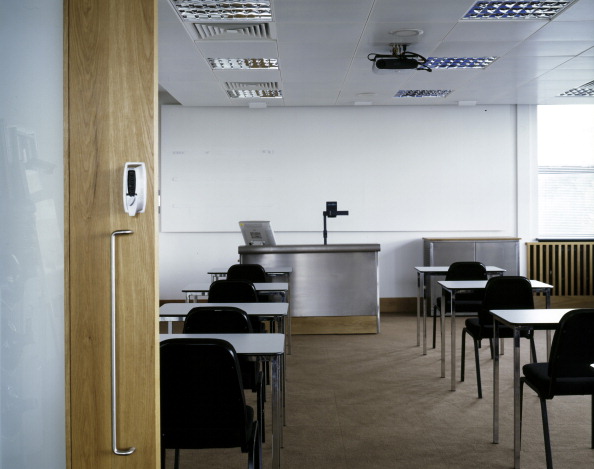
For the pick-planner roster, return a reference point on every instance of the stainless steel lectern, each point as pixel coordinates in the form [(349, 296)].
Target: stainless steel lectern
[(333, 288)]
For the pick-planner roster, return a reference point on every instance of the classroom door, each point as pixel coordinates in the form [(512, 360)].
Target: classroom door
[(110, 117)]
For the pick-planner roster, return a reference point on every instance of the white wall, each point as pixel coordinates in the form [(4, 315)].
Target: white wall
[(403, 173)]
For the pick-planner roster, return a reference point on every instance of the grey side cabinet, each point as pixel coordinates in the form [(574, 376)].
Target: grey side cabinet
[(499, 252)]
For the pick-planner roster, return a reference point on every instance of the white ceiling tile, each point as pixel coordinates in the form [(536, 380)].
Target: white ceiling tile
[(238, 49), (473, 49), (320, 70), (301, 53), (321, 10), (550, 48), (579, 63), (317, 32), (581, 10), (565, 31), (419, 10), (486, 31), (578, 77)]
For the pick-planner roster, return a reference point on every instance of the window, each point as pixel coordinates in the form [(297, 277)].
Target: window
[(566, 171)]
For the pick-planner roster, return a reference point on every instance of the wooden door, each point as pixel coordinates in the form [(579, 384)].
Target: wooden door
[(110, 116)]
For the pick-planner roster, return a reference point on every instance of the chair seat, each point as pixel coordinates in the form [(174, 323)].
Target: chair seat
[(475, 330), (463, 304), (210, 437), (537, 377)]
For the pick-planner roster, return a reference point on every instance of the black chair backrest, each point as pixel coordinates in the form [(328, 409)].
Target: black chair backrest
[(251, 272), (466, 270), (202, 397), (572, 350), (232, 291), (217, 319), (505, 292)]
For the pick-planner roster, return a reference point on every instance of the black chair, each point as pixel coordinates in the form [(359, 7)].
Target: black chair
[(465, 302), (202, 400), (569, 371), (507, 292), (216, 319), (228, 319), (236, 291), (232, 291), (254, 273)]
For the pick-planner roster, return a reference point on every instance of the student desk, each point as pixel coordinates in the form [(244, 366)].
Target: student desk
[(218, 273), (518, 319), (424, 274), (270, 347), (455, 286), (173, 312), (197, 290)]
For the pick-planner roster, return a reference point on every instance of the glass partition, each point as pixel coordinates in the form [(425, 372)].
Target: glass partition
[(32, 420)]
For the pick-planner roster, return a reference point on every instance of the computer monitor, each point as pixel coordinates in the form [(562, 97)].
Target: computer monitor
[(257, 233)]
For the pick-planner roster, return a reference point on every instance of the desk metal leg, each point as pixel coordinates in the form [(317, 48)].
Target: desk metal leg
[(495, 383), (442, 322), (453, 344), (517, 402), (419, 311), (276, 410), (548, 305)]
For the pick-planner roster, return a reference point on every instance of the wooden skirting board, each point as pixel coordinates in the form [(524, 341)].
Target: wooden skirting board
[(334, 325)]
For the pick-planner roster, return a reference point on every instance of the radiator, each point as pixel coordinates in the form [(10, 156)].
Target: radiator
[(568, 266)]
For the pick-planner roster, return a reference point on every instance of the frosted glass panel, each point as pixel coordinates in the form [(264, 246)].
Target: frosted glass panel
[(32, 422)]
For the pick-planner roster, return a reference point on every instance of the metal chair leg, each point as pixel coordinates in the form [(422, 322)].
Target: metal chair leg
[(478, 369), (463, 357), (434, 325), (545, 429), (532, 348)]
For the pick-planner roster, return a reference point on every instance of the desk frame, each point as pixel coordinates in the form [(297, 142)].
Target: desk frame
[(271, 348), (424, 274), (518, 320), (177, 312), (455, 286)]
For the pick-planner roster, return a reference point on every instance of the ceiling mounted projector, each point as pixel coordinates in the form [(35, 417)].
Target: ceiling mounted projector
[(400, 59)]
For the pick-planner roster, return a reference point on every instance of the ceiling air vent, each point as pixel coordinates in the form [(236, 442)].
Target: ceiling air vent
[(253, 89), (242, 64), (422, 93), (234, 32), (201, 11), (584, 91), (244, 85)]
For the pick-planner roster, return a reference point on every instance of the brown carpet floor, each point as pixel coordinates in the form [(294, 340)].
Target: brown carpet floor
[(375, 402)]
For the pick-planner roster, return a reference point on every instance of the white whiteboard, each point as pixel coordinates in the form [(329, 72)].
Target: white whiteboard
[(409, 168)]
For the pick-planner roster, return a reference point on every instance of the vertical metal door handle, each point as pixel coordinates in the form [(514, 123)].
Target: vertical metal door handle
[(114, 407)]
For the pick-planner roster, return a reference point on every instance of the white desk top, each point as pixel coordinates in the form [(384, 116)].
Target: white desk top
[(260, 287), (252, 309), (478, 284), (530, 317), (268, 270), (443, 269), (246, 344)]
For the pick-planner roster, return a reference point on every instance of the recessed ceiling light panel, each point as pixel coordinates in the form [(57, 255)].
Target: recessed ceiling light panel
[(422, 93), (459, 62), (202, 11), (243, 64), (502, 10), (584, 91)]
